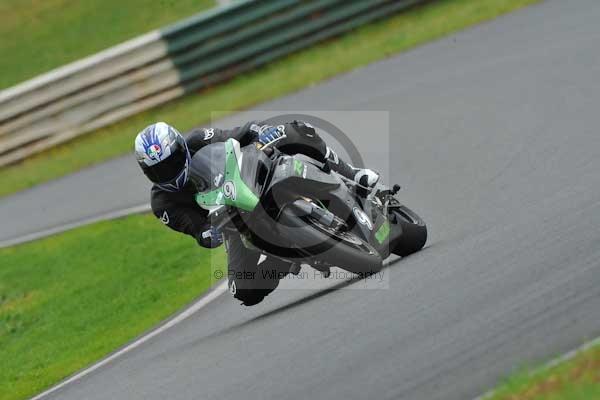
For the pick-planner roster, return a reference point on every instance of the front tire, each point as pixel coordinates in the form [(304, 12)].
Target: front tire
[(414, 231)]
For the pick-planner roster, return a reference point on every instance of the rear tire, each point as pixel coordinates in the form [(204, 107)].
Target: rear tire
[(414, 231)]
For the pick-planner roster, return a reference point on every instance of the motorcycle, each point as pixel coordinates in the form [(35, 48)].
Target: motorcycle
[(299, 210)]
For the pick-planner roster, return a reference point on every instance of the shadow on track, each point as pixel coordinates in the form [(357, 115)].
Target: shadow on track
[(293, 304), (286, 307), (318, 294)]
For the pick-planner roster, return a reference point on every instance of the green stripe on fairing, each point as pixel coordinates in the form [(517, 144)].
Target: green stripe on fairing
[(244, 198), (298, 167), (383, 232)]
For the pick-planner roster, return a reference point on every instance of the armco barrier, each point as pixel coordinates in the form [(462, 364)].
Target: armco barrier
[(165, 64)]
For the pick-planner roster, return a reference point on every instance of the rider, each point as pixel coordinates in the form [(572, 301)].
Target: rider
[(164, 156)]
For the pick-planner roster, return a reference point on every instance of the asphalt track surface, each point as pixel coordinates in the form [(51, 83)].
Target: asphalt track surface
[(496, 141)]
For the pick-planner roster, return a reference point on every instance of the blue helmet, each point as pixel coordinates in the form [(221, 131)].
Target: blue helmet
[(163, 155)]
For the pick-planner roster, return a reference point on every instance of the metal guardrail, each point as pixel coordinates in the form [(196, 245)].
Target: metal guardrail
[(163, 65)]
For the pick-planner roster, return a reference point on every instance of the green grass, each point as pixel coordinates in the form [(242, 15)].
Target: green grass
[(356, 49), (576, 379), (69, 300), (39, 35)]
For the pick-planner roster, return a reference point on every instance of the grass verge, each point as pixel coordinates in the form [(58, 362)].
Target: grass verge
[(361, 47), (45, 34), (69, 300), (575, 379)]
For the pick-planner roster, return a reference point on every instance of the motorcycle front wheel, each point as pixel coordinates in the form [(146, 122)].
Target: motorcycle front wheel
[(414, 231)]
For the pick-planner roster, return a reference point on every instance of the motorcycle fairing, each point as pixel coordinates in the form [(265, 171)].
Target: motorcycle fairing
[(233, 190), (294, 177)]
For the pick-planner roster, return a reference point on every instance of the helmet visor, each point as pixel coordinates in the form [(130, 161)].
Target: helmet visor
[(169, 168)]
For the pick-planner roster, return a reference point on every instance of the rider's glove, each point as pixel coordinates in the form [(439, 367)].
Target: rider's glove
[(211, 238), (270, 134)]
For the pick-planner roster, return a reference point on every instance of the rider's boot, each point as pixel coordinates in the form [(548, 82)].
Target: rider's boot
[(363, 176)]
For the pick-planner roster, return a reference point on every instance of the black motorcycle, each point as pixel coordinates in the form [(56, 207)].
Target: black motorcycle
[(297, 209)]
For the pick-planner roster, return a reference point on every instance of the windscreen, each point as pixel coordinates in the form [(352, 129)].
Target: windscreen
[(208, 167)]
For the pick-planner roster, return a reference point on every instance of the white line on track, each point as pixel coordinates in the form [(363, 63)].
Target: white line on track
[(202, 302), (142, 208), (551, 363)]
